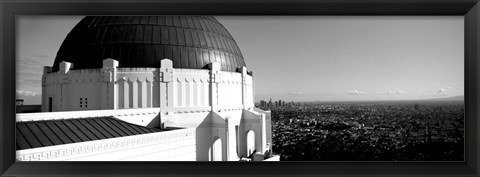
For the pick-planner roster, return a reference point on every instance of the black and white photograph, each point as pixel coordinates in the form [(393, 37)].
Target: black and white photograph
[(240, 88)]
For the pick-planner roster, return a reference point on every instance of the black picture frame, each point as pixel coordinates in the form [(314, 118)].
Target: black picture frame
[(470, 9)]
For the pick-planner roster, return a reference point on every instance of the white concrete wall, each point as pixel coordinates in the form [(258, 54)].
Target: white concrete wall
[(255, 121), (268, 125), (67, 89), (230, 90), (206, 125), (127, 88), (204, 141), (250, 92), (218, 128), (213, 102), (136, 88), (191, 88), (187, 119), (173, 145), (129, 115)]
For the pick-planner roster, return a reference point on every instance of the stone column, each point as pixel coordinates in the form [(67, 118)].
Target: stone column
[(214, 80), (166, 91), (166, 85), (268, 129), (108, 92), (65, 67), (149, 85), (263, 132), (63, 83), (126, 92), (134, 94), (46, 70), (244, 87), (142, 93), (253, 92), (227, 139)]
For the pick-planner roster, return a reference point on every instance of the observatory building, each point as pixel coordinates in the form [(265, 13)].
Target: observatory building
[(147, 88)]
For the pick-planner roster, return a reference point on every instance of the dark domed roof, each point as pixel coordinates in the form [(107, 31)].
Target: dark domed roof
[(142, 41)]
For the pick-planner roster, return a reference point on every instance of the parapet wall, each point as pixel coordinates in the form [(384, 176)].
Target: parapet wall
[(125, 88), (173, 145)]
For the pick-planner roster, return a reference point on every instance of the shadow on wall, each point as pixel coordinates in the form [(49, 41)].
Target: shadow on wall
[(212, 126), (155, 123), (28, 108), (251, 133)]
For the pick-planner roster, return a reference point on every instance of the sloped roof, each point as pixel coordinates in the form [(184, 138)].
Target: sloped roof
[(34, 134)]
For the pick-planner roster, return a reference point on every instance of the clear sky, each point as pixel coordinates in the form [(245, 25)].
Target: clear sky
[(305, 58)]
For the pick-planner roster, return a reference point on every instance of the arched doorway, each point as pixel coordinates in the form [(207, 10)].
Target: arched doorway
[(217, 149), (250, 142)]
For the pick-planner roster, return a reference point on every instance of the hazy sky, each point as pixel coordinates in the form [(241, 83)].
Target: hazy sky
[(315, 58)]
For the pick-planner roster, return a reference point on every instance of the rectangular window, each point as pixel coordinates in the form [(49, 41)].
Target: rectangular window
[(50, 104)]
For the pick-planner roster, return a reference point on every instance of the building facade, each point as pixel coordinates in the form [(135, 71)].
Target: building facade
[(147, 88)]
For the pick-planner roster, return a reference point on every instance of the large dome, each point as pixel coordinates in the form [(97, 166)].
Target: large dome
[(142, 41)]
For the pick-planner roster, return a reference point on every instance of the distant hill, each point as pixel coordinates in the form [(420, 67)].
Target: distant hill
[(453, 98)]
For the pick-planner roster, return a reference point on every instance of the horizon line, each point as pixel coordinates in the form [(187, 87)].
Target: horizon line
[(420, 99)]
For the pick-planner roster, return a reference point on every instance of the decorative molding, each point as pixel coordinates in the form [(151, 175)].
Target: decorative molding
[(231, 108), (51, 152), (183, 110), (22, 117)]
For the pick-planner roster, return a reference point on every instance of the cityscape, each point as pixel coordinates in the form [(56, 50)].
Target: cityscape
[(359, 89), (422, 130)]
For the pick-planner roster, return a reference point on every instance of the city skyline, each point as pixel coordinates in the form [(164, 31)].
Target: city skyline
[(330, 59)]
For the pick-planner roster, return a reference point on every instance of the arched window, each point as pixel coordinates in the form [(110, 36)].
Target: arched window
[(250, 142), (217, 149)]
